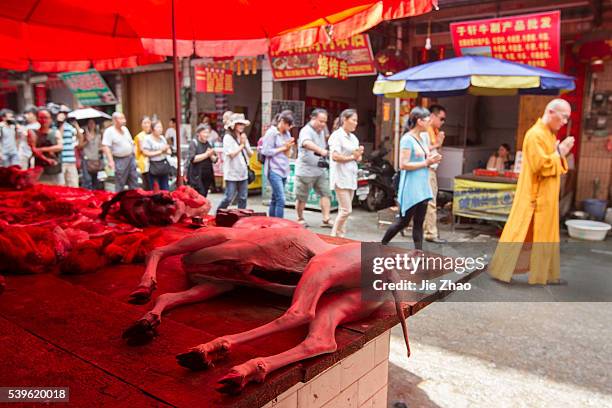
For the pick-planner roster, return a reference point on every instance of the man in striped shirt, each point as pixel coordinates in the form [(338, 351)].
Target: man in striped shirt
[(69, 168)]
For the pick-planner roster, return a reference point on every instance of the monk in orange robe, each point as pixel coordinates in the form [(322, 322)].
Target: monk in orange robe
[(532, 229)]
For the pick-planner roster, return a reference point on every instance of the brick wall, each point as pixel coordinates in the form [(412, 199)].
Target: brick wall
[(358, 381), (595, 161)]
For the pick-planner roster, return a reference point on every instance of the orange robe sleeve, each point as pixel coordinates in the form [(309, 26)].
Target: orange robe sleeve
[(543, 163)]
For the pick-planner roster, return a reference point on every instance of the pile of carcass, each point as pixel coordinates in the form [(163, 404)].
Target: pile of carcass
[(72, 230)]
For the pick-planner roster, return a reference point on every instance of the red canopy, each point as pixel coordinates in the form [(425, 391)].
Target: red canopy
[(70, 35), (44, 31), (54, 49)]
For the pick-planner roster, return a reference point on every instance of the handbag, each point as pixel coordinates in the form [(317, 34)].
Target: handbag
[(160, 168), (250, 173), (53, 169), (94, 166)]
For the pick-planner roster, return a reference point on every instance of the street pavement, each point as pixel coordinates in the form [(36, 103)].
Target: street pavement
[(531, 347)]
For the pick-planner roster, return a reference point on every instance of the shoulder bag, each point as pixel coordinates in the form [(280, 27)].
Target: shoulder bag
[(251, 174)]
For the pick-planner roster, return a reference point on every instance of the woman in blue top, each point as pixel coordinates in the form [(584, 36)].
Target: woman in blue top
[(277, 143), (414, 188)]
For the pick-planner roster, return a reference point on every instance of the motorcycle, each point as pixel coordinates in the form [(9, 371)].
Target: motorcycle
[(363, 185), (380, 190)]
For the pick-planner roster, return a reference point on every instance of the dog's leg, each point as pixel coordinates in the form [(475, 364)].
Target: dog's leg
[(333, 309), (313, 283), (192, 243), (144, 329)]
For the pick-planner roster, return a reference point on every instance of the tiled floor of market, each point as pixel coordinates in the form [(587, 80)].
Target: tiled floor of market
[(481, 354)]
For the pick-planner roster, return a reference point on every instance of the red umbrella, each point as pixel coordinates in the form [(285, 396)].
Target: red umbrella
[(45, 44), (112, 32)]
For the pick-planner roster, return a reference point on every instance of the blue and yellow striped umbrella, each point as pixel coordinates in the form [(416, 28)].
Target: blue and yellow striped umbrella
[(473, 75)]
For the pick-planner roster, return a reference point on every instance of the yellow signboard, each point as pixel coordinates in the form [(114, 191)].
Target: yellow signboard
[(479, 199)]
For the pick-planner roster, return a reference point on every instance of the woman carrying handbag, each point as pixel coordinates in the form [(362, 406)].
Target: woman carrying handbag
[(414, 188), (157, 150), (200, 174)]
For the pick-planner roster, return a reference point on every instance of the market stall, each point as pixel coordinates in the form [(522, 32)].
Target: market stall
[(484, 195), (487, 197)]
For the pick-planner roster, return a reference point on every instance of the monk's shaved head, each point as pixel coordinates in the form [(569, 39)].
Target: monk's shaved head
[(557, 114), (558, 104)]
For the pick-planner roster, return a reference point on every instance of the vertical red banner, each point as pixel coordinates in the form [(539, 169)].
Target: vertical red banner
[(211, 80), (531, 39), (40, 94)]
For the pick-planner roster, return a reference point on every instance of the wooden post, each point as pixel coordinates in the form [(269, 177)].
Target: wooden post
[(177, 98)]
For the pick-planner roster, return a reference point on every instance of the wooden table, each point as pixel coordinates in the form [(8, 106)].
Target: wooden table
[(62, 330)]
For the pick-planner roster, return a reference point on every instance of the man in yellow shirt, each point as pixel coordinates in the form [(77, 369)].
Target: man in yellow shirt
[(436, 137), (533, 224)]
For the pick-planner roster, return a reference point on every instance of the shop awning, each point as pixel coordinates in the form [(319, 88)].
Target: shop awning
[(474, 75), (118, 33)]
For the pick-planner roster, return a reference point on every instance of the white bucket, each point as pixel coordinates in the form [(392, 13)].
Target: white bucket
[(587, 230)]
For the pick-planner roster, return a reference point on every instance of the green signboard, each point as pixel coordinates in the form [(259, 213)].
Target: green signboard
[(89, 88)]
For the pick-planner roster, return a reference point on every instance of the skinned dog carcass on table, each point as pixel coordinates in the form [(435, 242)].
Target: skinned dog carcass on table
[(323, 278), (143, 208)]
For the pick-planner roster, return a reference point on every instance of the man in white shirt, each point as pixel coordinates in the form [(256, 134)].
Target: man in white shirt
[(118, 147), (309, 173)]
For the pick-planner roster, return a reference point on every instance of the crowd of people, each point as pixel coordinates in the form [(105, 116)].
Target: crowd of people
[(71, 155)]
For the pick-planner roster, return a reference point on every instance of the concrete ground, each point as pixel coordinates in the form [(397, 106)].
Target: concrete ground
[(532, 347)]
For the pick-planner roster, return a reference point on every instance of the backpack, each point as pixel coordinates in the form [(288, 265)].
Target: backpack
[(260, 157)]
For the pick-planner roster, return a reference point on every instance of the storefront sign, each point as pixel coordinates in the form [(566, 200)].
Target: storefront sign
[(212, 80), (332, 67), (529, 39), (484, 200), (89, 88), (304, 63)]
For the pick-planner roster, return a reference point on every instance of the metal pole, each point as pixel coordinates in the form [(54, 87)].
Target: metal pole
[(396, 134), (465, 124), (177, 98), (465, 134), (397, 126)]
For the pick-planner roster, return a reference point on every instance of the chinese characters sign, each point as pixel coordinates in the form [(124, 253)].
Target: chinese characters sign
[(211, 80), (332, 67), (306, 63), (477, 199), (531, 39), (89, 88)]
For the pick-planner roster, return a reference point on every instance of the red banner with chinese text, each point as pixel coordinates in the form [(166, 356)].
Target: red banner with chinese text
[(332, 67), (531, 39), (211, 80), (303, 63)]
